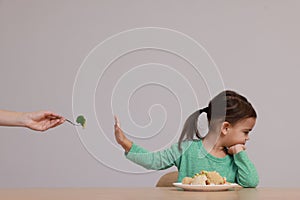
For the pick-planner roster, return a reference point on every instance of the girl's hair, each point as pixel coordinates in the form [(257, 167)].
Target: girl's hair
[(227, 106)]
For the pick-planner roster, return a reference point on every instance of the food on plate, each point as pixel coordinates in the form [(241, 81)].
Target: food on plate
[(187, 180), (81, 120), (199, 180), (205, 178), (215, 178)]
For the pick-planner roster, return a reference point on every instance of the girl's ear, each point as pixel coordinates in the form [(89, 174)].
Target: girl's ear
[(225, 128)]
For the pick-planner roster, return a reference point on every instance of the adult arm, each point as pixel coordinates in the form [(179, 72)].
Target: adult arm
[(39, 121)]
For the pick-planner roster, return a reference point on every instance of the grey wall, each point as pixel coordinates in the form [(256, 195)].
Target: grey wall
[(255, 45)]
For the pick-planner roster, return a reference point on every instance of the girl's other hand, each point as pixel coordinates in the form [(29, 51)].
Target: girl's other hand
[(236, 149), (120, 136)]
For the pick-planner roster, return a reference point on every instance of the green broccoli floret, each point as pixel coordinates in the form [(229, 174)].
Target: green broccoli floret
[(81, 120)]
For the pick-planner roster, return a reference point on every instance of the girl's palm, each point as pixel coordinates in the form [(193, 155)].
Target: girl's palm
[(120, 136)]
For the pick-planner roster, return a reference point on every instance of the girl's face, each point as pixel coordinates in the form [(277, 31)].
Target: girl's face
[(239, 133)]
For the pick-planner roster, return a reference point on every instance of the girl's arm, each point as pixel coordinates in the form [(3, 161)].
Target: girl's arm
[(154, 160), (247, 175), (150, 160), (246, 172)]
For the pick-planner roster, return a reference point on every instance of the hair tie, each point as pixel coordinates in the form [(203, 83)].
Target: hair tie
[(203, 110)]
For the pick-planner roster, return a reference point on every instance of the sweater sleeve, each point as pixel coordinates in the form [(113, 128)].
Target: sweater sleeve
[(154, 160), (246, 172)]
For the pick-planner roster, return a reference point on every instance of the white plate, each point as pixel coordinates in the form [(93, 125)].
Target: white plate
[(206, 187)]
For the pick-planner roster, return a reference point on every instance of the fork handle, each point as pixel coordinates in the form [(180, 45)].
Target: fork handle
[(72, 123)]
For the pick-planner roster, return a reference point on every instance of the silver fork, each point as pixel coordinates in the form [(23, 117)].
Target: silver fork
[(72, 123), (51, 117)]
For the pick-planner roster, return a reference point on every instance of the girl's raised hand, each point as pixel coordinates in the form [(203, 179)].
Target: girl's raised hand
[(236, 149), (120, 136)]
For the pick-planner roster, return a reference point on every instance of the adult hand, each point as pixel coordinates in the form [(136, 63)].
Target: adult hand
[(41, 120)]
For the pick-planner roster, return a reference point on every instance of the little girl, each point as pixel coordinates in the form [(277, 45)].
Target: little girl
[(230, 119)]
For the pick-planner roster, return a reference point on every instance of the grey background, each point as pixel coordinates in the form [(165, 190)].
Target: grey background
[(255, 45)]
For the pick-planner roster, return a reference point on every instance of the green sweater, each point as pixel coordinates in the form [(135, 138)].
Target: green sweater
[(193, 158)]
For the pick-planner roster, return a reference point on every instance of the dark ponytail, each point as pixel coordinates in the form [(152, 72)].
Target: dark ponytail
[(190, 128), (227, 106)]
